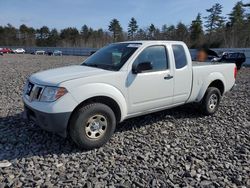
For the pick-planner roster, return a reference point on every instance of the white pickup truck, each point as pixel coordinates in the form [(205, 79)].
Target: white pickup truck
[(120, 81)]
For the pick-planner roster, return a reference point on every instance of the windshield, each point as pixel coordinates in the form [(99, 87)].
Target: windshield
[(113, 56)]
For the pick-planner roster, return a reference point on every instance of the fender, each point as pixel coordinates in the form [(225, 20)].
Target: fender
[(211, 77), (87, 91)]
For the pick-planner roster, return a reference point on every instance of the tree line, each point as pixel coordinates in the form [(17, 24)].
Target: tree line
[(213, 30)]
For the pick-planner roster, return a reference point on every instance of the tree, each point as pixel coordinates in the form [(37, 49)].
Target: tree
[(237, 27), (141, 35), (132, 28), (85, 33), (8, 35), (116, 29), (26, 35), (151, 31), (70, 36), (169, 33), (247, 5), (182, 33), (214, 20), (237, 15), (53, 38), (43, 32), (196, 31)]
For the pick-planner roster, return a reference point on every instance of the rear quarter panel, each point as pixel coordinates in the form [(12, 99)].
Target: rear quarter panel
[(205, 74)]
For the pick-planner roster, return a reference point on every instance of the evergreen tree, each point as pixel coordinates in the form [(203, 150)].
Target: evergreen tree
[(54, 38), (196, 31), (141, 35), (70, 36), (43, 32), (236, 17), (151, 31), (116, 29), (26, 35), (132, 28), (85, 31), (182, 33), (214, 20), (171, 32)]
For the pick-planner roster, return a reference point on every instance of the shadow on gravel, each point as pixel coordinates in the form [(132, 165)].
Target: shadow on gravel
[(180, 112), (20, 139)]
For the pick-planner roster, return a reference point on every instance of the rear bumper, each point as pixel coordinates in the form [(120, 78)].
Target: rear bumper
[(52, 122)]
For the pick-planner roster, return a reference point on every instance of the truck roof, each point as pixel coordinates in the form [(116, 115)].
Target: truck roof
[(154, 41)]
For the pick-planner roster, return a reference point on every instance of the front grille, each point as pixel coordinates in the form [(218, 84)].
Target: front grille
[(33, 91)]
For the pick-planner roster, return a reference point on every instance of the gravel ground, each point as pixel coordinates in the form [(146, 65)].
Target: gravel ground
[(173, 148)]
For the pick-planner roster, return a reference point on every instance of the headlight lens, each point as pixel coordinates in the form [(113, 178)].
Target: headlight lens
[(51, 94)]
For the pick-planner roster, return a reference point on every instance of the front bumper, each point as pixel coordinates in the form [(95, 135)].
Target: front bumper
[(233, 87), (52, 122)]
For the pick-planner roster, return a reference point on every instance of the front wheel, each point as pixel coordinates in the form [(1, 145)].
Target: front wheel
[(211, 101), (92, 125)]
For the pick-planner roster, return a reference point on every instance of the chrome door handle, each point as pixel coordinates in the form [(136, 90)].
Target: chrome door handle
[(168, 77)]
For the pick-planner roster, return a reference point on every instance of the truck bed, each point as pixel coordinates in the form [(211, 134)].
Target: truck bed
[(203, 72), (198, 63)]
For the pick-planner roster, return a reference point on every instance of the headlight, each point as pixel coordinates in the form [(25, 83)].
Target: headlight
[(51, 94)]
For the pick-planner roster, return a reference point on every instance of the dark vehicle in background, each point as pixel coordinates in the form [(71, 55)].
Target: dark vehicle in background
[(54, 53), (233, 57), (92, 52), (49, 53)]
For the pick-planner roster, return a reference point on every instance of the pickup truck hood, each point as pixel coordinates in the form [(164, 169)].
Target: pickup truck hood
[(56, 76)]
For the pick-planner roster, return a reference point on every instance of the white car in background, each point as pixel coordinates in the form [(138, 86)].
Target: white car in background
[(19, 51), (40, 52)]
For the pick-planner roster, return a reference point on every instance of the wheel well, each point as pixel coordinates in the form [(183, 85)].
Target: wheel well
[(218, 84), (104, 100)]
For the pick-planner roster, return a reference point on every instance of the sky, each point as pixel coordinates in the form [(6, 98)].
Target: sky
[(60, 14)]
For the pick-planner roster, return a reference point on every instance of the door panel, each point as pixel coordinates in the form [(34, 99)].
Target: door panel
[(149, 90), (183, 74), (153, 89)]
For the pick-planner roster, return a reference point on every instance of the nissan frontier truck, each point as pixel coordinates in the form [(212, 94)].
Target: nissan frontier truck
[(121, 81)]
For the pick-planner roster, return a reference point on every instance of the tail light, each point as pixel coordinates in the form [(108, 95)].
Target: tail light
[(235, 72)]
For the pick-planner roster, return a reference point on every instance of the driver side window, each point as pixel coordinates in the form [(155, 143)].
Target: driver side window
[(156, 55)]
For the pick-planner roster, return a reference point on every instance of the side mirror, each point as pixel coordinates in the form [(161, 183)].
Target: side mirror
[(141, 67)]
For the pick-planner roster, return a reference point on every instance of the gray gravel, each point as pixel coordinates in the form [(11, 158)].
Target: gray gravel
[(173, 148)]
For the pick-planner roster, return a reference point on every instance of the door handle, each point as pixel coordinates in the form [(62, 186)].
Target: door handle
[(168, 77)]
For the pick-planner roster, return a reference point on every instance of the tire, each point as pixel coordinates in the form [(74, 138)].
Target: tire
[(211, 101), (92, 125)]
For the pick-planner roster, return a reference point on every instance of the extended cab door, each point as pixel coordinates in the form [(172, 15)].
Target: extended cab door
[(182, 74), (151, 89)]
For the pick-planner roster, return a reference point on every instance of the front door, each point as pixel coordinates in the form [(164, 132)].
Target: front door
[(151, 89)]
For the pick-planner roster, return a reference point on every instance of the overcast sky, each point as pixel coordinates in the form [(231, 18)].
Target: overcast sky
[(98, 13)]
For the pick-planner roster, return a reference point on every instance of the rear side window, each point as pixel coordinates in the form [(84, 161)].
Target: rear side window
[(156, 55), (179, 56)]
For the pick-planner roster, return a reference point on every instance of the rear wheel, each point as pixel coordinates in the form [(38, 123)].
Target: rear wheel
[(92, 125), (211, 101)]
